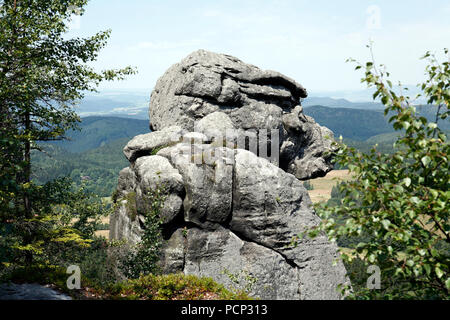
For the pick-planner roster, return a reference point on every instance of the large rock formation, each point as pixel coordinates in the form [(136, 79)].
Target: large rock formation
[(205, 83), (229, 210)]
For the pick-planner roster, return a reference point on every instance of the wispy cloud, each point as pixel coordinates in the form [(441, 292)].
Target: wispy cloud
[(307, 40), (166, 45)]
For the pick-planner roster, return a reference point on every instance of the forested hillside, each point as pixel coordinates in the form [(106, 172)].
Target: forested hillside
[(360, 124), (355, 124), (93, 156), (99, 131), (97, 168)]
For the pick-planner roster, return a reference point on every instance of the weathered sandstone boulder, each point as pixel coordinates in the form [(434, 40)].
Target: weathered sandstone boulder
[(217, 92), (229, 210)]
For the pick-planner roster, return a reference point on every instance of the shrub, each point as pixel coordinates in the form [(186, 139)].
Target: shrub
[(399, 202), (170, 287), (143, 257)]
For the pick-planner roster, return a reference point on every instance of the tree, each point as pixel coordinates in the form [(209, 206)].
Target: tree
[(398, 202), (42, 75), (142, 258)]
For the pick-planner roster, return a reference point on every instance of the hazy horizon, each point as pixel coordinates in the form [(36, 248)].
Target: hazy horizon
[(306, 40), (361, 95)]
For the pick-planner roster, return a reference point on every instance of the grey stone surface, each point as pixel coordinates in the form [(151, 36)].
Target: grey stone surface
[(26, 291), (267, 202), (205, 82), (173, 252), (214, 254), (209, 90), (240, 214), (144, 144), (208, 191), (126, 182), (214, 124), (124, 224), (156, 172), (270, 207), (229, 210), (304, 148)]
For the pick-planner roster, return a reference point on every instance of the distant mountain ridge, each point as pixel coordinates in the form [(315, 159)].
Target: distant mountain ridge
[(341, 103), (355, 124), (94, 155), (135, 104), (123, 104), (362, 124)]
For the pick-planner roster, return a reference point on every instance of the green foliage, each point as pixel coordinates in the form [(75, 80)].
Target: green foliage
[(171, 287), (336, 195), (10, 165), (99, 277), (345, 241), (67, 218), (98, 262), (131, 204), (357, 272), (243, 281), (92, 158), (22, 237), (399, 200), (42, 75), (83, 211), (156, 150), (143, 257), (96, 169)]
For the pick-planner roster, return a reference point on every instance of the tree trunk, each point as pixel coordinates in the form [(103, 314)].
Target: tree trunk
[(27, 168), (27, 178)]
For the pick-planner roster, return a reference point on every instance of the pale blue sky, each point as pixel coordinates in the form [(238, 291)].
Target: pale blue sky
[(308, 40)]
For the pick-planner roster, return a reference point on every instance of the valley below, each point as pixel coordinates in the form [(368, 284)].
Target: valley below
[(322, 187)]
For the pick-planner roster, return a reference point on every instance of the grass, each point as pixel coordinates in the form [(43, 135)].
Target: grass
[(321, 192), (323, 186), (182, 287), (151, 287)]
